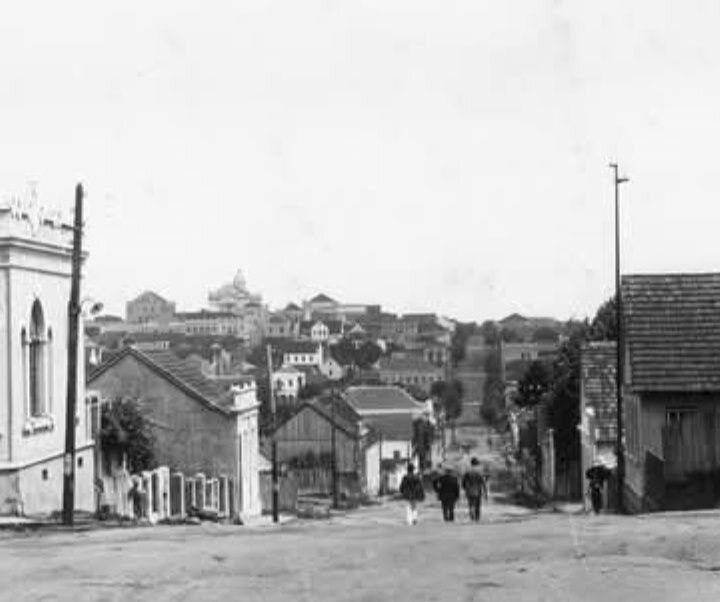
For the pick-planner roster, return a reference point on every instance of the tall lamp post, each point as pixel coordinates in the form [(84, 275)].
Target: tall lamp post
[(619, 376)]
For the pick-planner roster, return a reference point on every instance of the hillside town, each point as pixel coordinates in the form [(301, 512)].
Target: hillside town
[(236, 413), (359, 301)]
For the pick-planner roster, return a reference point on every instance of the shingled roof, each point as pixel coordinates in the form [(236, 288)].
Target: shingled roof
[(673, 331), (182, 373), (598, 363)]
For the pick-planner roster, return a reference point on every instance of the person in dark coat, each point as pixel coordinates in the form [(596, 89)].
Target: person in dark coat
[(412, 490), (448, 491), (475, 489)]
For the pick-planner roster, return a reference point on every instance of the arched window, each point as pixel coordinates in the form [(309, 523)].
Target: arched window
[(50, 371), (36, 364)]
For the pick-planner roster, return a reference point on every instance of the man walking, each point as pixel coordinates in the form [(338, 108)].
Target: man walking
[(475, 489), (448, 491), (411, 488)]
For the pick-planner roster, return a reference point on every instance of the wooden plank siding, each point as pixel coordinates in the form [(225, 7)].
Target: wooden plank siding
[(309, 431)]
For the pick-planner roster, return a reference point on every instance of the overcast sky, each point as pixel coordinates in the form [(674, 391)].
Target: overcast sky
[(448, 156)]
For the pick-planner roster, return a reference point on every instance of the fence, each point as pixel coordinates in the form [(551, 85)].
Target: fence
[(319, 480), (287, 492), (161, 494)]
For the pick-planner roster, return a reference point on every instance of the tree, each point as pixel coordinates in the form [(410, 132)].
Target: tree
[(423, 437), (604, 325), (545, 334), (564, 394), (367, 355), (449, 396), (343, 352), (458, 344), (533, 385), (126, 430)]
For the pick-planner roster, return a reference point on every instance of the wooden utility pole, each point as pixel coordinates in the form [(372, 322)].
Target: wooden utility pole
[(333, 450), (275, 484), (619, 370), (68, 509)]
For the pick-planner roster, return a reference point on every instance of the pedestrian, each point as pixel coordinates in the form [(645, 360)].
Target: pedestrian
[(473, 483), (411, 488), (596, 475), (137, 497), (448, 491)]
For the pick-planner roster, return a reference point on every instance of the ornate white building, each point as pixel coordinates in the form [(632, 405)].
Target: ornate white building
[(35, 267), (233, 297)]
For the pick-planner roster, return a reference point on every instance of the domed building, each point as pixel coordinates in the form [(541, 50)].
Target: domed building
[(233, 297)]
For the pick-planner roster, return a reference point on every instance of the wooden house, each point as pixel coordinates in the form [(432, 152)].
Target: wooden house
[(671, 390)]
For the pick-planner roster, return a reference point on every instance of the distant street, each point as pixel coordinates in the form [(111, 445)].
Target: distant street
[(370, 554)]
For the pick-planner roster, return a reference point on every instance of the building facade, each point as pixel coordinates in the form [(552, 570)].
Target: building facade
[(149, 307), (35, 268)]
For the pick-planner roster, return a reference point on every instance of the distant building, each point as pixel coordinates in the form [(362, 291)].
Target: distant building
[(322, 331), (282, 326), (288, 381), (320, 304), (303, 353), (410, 370), (234, 296), (149, 307), (215, 323)]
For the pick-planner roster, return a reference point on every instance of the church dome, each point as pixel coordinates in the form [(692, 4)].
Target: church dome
[(239, 281)]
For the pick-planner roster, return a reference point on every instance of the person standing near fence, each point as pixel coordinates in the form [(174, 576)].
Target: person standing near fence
[(475, 487), (413, 492)]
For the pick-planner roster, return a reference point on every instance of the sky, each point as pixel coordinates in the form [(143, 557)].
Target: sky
[(428, 156)]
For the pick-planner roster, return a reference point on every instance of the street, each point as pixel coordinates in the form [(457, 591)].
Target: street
[(370, 554)]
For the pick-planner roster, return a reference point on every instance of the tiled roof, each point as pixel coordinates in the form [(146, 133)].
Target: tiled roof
[(299, 347), (598, 369), (396, 427), (184, 374), (673, 331), (380, 398), (292, 307)]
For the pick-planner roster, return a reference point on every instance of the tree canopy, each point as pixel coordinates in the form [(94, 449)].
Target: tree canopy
[(125, 428), (534, 384)]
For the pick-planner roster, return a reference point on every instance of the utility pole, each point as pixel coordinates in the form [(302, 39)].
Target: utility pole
[(68, 509), (333, 450), (619, 370), (275, 485)]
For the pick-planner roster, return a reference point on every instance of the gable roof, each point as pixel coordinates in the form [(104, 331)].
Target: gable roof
[(340, 421), (369, 398), (292, 307), (148, 294), (322, 298), (673, 331), (598, 363), (299, 347), (397, 427), (183, 375)]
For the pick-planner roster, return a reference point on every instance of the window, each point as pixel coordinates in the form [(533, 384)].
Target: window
[(36, 347), (677, 417)]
